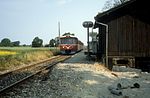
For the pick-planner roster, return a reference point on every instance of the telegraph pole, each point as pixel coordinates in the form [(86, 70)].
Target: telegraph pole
[(59, 32)]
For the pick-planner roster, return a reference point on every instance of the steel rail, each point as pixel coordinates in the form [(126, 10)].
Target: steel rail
[(27, 66), (47, 66)]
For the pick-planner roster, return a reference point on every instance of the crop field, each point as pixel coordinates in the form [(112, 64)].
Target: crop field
[(11, 57), (26, 48), (14, 50), (3, 53)]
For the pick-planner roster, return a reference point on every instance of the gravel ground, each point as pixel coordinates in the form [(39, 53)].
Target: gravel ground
[(79, 78)]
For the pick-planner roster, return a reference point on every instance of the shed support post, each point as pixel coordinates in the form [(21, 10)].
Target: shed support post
[(106, 41)]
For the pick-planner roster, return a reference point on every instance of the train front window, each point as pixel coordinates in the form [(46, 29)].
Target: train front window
[(68, 41)]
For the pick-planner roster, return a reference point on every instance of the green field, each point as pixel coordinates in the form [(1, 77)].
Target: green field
[(26, 48), (15, 56)]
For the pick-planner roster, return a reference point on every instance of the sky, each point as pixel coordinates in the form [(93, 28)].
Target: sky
[(23, 20)]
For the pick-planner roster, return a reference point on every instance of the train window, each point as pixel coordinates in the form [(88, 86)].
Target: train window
[(68, 41)]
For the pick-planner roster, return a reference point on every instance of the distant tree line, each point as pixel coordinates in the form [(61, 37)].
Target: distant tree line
[(37, 42), (7, 43)]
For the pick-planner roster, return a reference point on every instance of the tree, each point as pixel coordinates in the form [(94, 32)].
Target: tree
[(52, 43), (68, 34), (24, 45), (57, 41), (16, 43), (5, 42), (112, 3), (37, 42), (93, 34), (118, 2), (108, 5), (46, 45)]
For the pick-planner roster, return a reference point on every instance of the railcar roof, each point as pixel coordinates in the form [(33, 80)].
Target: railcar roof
[(68, 37)]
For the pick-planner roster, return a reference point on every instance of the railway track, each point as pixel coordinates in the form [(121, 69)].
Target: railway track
[(10, 79)]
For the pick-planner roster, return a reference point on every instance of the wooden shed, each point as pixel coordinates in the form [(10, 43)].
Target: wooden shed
[(128, 39)]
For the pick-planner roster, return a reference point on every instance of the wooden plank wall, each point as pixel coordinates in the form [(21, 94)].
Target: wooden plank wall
[(102, 41), (128, 37)]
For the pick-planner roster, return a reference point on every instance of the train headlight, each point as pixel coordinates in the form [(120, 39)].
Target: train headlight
[(67, 47)]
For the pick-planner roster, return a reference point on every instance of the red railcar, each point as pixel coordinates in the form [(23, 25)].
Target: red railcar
[(70, 45)]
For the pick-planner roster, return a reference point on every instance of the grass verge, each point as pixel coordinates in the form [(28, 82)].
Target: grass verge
[(14, 57)]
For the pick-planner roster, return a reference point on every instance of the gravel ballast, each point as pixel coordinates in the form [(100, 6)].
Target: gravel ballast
[(80, 78)]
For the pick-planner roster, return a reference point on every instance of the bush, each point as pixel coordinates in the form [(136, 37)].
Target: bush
[(6, 42), (37, 42)]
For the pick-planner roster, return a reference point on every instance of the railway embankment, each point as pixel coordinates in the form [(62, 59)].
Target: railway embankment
[(79, 78), (10, 58)]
